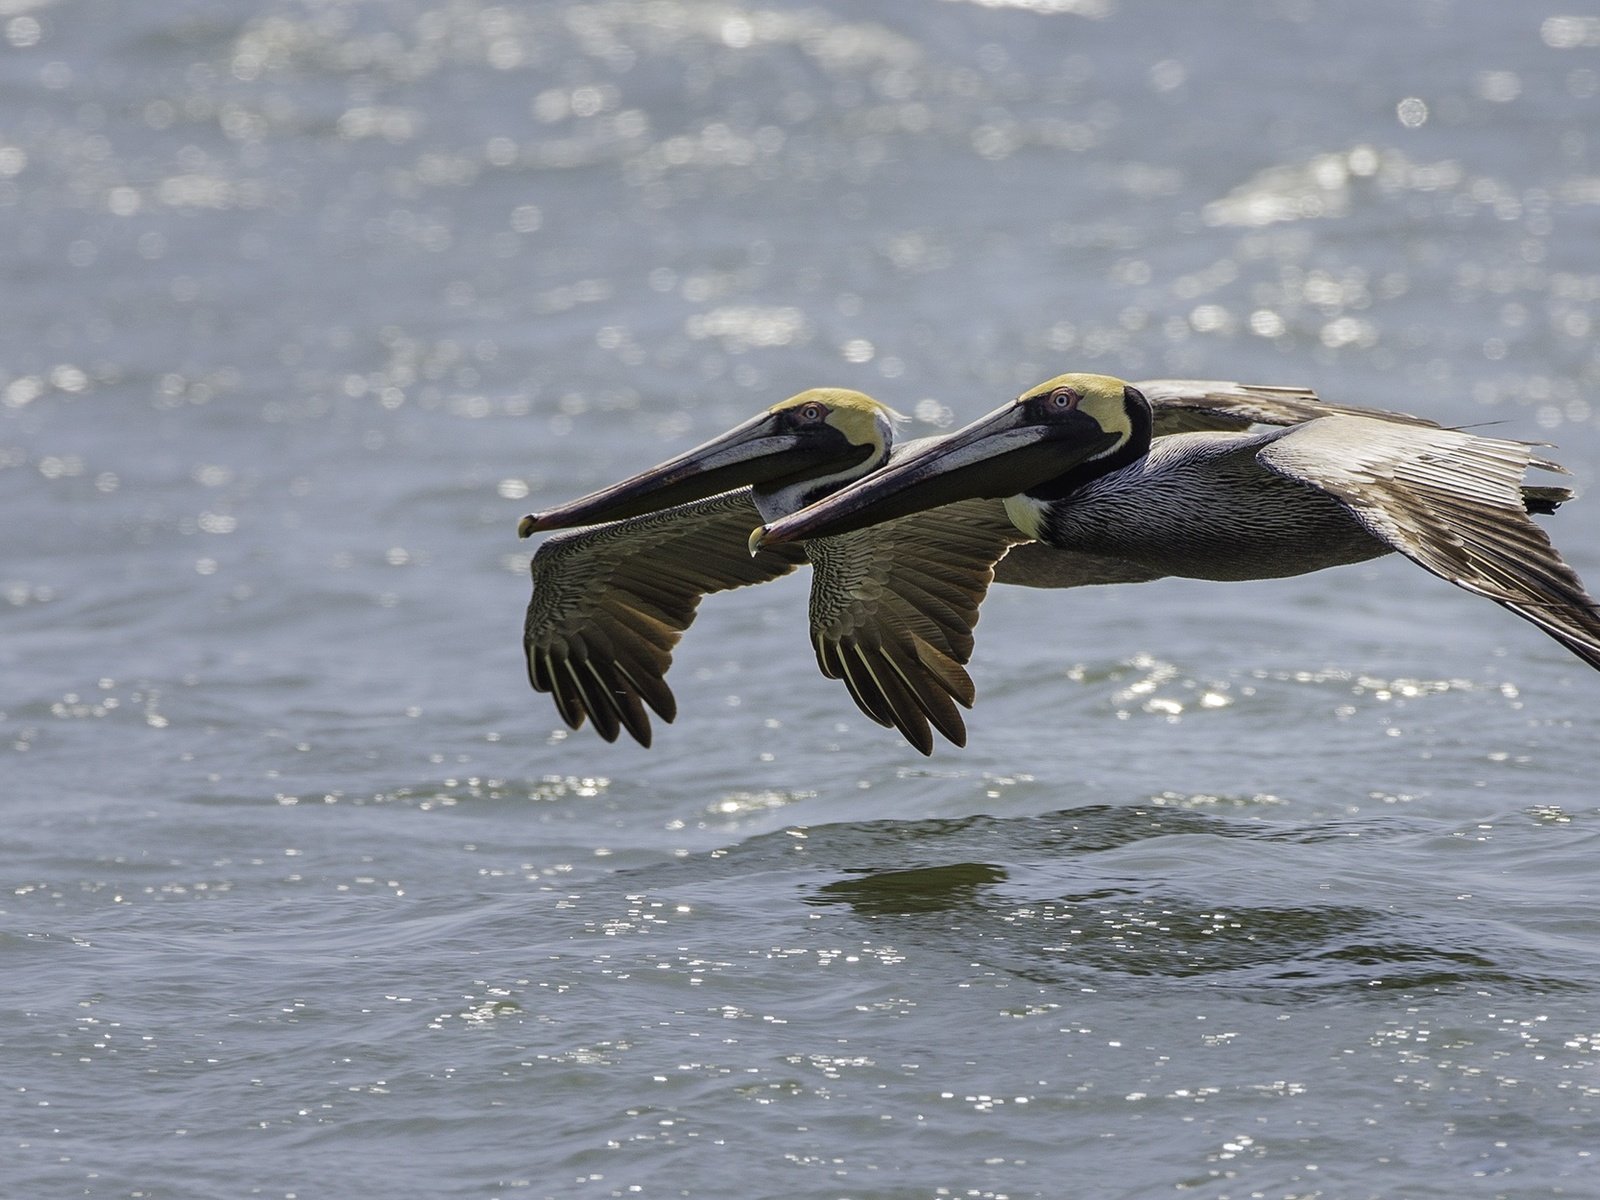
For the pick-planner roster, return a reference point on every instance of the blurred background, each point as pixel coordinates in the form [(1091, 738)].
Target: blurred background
[(1277, 889)]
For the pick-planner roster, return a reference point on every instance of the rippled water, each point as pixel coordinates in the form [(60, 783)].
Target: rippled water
[(1278, 890)]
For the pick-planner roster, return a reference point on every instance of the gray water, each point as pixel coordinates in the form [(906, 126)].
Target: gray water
[(1272, 890)]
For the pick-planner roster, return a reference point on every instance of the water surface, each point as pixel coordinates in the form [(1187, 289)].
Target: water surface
[(1282, 889)]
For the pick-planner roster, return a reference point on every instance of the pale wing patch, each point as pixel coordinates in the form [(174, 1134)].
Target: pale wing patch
[(1453, 503)]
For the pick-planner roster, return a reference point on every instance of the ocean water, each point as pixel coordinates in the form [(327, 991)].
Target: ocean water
[(1281, 890)]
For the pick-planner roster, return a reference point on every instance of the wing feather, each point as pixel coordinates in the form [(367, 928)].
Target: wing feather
[(908, 713), (1194, 405), (892, 611), (1453, 503), (610, 602)]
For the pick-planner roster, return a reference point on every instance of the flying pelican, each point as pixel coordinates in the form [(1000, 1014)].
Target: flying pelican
[(1075, 464), (610, 602), (892, 607)]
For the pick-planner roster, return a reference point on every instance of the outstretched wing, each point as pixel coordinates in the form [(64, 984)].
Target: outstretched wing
[(1453, 503), (1197, 405), (610, 602), (892, 611)]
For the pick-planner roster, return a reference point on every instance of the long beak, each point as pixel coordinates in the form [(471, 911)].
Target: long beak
[(757, 451), (1002, 454)]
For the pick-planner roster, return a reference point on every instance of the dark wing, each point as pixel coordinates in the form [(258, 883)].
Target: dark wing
[(1197, 405), (610, 602), (1040, 565), (1453, 503), (892, 611)]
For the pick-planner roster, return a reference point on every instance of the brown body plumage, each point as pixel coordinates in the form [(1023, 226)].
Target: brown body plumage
[(1079, 471)]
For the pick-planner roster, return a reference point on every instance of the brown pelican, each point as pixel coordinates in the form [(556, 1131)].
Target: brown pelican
[(892, 607), (610, 602), (1076, 466)]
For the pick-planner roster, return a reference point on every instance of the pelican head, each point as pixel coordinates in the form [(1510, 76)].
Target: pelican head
[(1051, 439), (795, 452)]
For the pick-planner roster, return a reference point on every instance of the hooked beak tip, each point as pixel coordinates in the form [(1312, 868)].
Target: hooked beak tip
[(758, 538), (527, 525)]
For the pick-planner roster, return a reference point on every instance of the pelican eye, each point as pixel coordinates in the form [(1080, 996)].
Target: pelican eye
[(812, 413), (1063, 399)]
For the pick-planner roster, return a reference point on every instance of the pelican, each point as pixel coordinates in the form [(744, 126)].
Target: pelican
[(610, 602), (1074, 463), (892, 607)]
